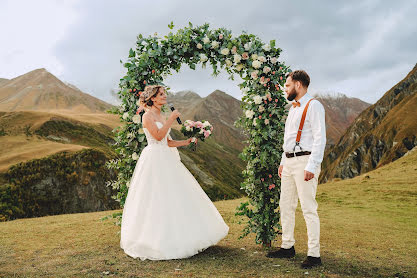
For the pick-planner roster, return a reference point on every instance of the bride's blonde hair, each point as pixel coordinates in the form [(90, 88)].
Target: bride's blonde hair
[(149, 92)]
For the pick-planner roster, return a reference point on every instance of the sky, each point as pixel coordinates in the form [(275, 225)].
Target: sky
[(357, 48)]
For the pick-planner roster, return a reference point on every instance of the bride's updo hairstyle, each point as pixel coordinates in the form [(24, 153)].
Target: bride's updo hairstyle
[(149, 92)]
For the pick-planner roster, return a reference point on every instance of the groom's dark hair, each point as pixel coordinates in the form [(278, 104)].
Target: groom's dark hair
[(300, 75)]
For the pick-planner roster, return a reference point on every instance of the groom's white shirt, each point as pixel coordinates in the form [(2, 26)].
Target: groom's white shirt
[(313, 136)]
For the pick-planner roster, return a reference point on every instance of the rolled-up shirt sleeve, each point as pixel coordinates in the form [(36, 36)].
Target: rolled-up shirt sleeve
[(318, 127)]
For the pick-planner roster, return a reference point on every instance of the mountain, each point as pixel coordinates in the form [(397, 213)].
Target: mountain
[(341, 111), (219, 108), (41, 90), (3, 81), (381, 134)]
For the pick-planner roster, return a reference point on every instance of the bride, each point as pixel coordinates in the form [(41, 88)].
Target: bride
[(166, 215)]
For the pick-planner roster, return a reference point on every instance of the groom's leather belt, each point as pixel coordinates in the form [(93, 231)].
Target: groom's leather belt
[(296, 154)]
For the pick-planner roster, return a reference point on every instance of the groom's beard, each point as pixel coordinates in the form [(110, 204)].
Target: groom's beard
[(291, 95)]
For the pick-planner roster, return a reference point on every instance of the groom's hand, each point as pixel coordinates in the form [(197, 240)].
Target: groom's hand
[(308, 175), (280, 170)]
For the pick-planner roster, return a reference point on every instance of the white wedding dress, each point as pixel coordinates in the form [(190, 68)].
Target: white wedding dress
[(167, 215)]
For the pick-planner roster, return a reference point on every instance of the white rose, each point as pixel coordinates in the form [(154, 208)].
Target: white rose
[(128, 184), (262, 59), (201, 131), (247, 46), (206, 40), (228, 63), (254, 74), (266, 121), (187, 128), (256, 64), (249, 114), (274, 60), (267, 69), (266, 47), (225, 51), (199, 46), (203, 57), (125, 116), (254, 56), (261, 108), (141, 131), (239, 67), (215, 44), (208, 132), (234, 50), (237, 58), (245, 90), (257, 99), (136, 119), (254, 122), (135, 156)]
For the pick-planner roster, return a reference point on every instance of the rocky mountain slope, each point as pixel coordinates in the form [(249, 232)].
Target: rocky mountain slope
[(381, 134), (341, 111)]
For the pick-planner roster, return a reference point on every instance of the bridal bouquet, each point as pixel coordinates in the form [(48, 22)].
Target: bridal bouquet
[(200, 129)]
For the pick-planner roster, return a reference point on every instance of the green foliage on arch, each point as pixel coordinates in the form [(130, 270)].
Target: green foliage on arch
[(256, 62)]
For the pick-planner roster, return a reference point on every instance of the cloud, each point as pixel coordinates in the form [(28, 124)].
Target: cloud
[(360, 48), (29, 34)]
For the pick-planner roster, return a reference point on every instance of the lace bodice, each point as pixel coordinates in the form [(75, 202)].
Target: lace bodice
[(152, 141)]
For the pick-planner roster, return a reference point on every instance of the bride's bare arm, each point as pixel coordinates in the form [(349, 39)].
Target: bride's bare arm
[(175, 143)]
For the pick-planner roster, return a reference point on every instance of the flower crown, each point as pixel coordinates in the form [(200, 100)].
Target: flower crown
[(150, 91)]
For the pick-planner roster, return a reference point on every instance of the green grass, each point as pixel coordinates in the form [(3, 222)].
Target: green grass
[(368, 229), (97, 136)]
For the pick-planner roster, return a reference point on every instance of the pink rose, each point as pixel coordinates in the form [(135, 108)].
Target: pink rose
[(220, 36), (271, 186), (245, 56), (206, 134)]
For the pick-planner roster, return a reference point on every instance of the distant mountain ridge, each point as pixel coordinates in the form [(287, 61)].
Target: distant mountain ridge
[(41, 90), (219, 108), (381, 134), (341, 111)]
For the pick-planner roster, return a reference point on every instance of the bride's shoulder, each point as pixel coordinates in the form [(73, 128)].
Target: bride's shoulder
[(147, 116)]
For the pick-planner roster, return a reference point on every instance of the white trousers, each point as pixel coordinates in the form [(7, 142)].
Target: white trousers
[(293, 187)]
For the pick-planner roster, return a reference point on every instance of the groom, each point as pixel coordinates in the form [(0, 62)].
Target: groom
[(304, 143)]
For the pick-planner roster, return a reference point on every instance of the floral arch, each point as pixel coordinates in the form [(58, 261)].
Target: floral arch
[(263, 104)]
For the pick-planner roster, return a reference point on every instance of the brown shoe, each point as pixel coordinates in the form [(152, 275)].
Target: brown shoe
[(311, 262), (282, 253)]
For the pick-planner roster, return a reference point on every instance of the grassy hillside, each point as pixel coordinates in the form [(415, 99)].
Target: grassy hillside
[(216, 167), (35, 134), (368, 229)]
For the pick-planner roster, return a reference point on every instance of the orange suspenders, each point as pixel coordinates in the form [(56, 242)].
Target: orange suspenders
[(300, 128)]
